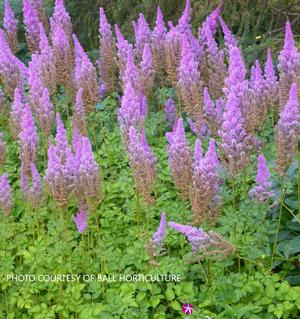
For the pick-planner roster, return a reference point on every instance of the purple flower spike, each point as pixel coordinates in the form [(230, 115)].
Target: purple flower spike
[(10, 25), (229, 39), (197, 237), (287, 132), (142, 35), (212, 113), (2, 150), (271, 83), (170, 111), (16, 114), (160, 234), (31, 22), (81, 220), (132, 74), (260, 191), (180, 158), (123, 47), (146, 70), (5, 195), (184, 23), (61, 19), (28, 139), (45, 113)]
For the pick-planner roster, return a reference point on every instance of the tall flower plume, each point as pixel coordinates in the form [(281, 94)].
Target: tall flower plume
[(132, 74), (39, 7), (16, 114), (287, 132), (143, 164), (45, 113), (236, 143), (205, 190), (170, 111), (261, 191), (10, 25), (85, 77), (288, 66), (271, 82), (160, 234), (61, 19), (142, 35), (108, 55), (5, 195), (180, 158), (80, 116), (229, 39), (158, 36), (146, 70), (31, 187), (28, 139), (189, 84), (31, 22)]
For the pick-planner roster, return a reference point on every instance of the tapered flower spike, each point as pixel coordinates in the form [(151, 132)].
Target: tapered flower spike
[(80, 116), (205, 191), (28, 139), (170, 111), (236, 143), (189, 83), (261, 191), (197, 237), (108, 56), (184, 22), (143, 164), (180, 158), (81, 221), (85, 77), (63, 57), (32, 191), (287, 132), (229, 39), (160, 234), (16, 114), (142, 35), (31, 22), (271, 82), (132, 74), (288, 66), (39, 7), (45, 113), (61, 19), (158, 36), (146, 70), (5, 195), (123, 47), (10, 25), (2, 150)]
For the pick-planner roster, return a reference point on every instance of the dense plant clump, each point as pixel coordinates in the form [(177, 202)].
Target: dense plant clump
[(168, 157)]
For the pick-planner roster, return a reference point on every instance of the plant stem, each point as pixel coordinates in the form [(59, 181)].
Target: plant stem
[(279, 221), (233, 194), (138, 211)]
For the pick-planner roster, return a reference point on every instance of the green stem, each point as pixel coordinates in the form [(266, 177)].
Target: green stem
[(138, 212), (279, 221)]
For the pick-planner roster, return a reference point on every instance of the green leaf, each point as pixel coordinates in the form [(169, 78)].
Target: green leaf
[(292, 246), (154, 300), (175, 305), (170, 294)]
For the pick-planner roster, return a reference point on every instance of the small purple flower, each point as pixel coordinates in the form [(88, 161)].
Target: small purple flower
[(197, 237), (261, 191), (159, 236), (81, 220)]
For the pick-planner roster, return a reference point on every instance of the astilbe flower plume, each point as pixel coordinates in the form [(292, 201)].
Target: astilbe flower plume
[(45, 113), (205, 190), (31, 186), (170, 111), (189, 84), (143, 164), (16, 113), (108, 55), (236, 143), (146, 70), (3, 103), (287, 132), (158, 36), (80, 116), (46, 63), (31, 22), (10, 25), (81, 221), (132, 112), (180, 158), (229, 39), (5, 195), (63, 57), (28, 140), (197, 237), (142, 35), (12, 70), (288, 66), (60, 172), (132, 74), (61, 19), (85, 77), (155, 246), (271, 82), (87, 173), (261, 191), (39, 7), (2, 149), (212, 112)]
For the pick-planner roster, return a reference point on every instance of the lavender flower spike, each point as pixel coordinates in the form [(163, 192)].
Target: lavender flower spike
[(170, 111), (197, 237), (31, 22), (5, 195), (10, 24), (16, 114), (230, 41), (160, 234), (271, 82), (260, 191), (146, 70), (2, 150), (81, 221), (287, 132)]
